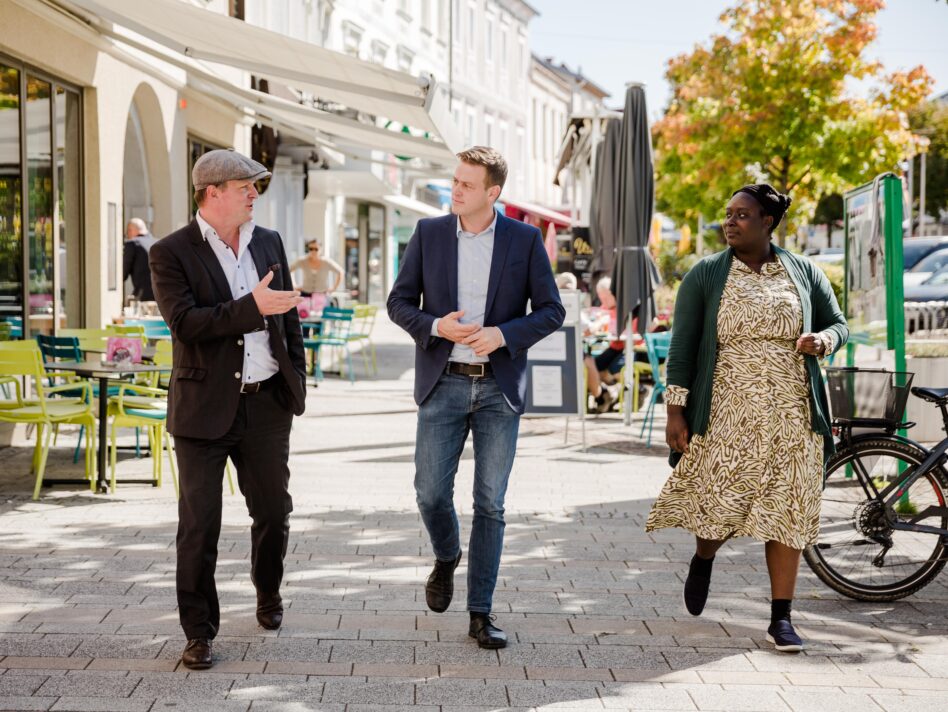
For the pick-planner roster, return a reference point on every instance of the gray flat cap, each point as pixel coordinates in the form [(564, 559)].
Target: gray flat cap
[(224, 164)]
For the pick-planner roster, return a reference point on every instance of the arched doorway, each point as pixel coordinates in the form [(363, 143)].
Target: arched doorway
[(146, 178)]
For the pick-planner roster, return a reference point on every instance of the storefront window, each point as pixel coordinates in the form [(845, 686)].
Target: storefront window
[(40, 204), (11, 255), (39, 178)]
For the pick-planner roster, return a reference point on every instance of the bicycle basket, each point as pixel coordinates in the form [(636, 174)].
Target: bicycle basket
[(868, 397)]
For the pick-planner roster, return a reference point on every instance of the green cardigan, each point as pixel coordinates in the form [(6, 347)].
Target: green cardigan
[(694, 346)]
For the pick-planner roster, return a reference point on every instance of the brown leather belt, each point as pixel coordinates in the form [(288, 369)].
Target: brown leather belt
[(248, 388), (471, 370)]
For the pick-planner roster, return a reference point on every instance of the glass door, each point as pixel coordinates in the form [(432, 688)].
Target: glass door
[(11, 208), (39, 181)]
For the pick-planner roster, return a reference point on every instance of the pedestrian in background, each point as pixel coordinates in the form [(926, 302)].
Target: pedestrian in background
[(321, 275), (238, 377), (138, 243), (462, 293), (748, 422)]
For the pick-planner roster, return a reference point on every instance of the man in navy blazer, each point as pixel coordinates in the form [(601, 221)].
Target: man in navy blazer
[(462, 293)]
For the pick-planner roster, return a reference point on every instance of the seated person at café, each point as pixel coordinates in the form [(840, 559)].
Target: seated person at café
[(602, 369), (566, 280)]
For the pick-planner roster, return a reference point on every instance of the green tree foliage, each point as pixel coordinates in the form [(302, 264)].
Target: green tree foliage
[(767, 101), (930, 119)]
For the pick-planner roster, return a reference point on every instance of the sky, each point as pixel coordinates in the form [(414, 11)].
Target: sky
[(619, 41)]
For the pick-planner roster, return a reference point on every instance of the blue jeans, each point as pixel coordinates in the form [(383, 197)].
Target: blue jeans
[(459, 405)]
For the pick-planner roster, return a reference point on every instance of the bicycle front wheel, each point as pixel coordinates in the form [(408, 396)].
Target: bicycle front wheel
[(858, 553)]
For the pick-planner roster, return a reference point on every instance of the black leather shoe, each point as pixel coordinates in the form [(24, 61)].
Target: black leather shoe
[(486, 633), (269, 610), (439, 590), (197, 654)]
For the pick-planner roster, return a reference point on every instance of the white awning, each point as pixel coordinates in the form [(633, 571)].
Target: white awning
[(331, 76), (352, 184), (403, 202), (306, 120)]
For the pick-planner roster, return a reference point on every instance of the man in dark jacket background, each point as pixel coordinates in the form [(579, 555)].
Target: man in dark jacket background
[(138, 243)]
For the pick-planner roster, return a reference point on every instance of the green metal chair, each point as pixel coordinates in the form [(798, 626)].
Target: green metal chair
[(334, 332), (657, 345)]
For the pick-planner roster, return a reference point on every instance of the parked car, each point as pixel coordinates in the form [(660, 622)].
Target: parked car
[(832, 255), (915, 248), (926, 267), (933, 289)]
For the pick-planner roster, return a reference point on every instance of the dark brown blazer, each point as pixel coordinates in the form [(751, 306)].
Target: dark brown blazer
[(207, 327)]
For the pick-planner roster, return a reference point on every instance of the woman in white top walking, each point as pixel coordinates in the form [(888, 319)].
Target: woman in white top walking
[(318, 272)]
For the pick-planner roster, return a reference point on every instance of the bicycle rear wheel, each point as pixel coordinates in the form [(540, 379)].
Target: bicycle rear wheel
[(858, 553)]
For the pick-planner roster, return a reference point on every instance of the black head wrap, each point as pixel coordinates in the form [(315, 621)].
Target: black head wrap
[(772, 202)]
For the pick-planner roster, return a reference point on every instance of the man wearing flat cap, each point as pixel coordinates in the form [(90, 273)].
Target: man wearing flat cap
[(239, 375)]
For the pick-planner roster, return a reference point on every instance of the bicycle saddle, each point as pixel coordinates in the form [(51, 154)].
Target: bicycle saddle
[(933, 395)]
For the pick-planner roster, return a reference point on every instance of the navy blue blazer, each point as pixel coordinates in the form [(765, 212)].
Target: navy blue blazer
[(427, 288)]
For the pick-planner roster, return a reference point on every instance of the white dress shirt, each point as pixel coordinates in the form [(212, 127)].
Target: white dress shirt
[(241, 274), (475, 251)]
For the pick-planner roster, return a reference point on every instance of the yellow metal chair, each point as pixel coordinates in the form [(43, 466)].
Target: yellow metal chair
[(363, 321), (45, 412), (89, 339), (148, 410), (163, 357)]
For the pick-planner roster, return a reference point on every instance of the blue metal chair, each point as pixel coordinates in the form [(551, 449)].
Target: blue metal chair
[(154, 328), (333, 332), (657, 348)]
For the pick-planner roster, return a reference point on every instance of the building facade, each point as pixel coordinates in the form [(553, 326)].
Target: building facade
[(91, 135)]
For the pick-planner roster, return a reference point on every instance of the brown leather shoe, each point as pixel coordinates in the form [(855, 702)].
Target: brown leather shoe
[(485, 632), (197, 654), (269, 610)]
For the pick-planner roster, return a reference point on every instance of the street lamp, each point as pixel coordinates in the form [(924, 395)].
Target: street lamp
[(922, 143)]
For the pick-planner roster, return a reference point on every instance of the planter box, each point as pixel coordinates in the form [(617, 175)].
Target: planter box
[(932, 373)]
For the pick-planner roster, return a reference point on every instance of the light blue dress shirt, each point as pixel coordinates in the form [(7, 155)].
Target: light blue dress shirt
[(475, 251), (241, 274)]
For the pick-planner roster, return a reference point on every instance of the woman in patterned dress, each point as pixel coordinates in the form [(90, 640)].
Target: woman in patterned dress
[(747, 415)]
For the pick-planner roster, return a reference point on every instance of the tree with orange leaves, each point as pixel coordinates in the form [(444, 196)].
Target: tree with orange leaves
[(768, 101)]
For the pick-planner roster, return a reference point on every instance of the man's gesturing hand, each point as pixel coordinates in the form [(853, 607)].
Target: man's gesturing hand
[(451, 329), (486, 341), (270, 301)]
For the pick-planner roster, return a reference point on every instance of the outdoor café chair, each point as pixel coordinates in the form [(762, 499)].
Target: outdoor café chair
[(657, 346), (163, 357), (154, 329), (45, 411), (363, 321), (334, 332), (148, 409)]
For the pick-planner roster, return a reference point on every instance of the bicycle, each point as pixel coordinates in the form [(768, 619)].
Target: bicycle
[(884, 516)]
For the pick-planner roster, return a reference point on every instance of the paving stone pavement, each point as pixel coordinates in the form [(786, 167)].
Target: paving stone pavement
[(590, 601)]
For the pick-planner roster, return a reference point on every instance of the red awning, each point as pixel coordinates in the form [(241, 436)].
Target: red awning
[(553, 216)]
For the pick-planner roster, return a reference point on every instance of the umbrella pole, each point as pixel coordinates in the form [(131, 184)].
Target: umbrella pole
[(629, 369)]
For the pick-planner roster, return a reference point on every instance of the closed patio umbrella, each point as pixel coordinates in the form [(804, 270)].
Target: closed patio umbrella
[(604, 213), (635, 275)]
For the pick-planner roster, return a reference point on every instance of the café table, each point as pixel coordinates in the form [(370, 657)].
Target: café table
[(105, 372), (148, 352)]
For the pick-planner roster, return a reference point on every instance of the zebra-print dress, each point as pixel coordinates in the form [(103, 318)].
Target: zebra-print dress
[(758, 469)]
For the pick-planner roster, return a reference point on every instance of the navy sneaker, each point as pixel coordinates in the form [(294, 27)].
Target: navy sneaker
[(784, 637)]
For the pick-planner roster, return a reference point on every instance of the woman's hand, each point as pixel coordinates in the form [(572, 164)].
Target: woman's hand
[(676, 430), (810, 344)]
